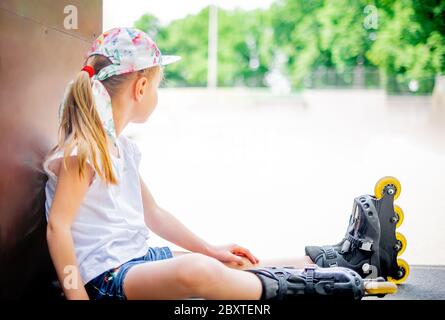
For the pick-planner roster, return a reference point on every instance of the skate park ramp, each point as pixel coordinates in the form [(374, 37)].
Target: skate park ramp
[(281, 172)]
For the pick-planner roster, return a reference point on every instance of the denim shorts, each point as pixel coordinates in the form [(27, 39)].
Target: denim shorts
[(109, 284)]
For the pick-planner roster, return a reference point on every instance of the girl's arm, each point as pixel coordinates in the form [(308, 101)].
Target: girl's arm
[(169, 227), (70, 190)]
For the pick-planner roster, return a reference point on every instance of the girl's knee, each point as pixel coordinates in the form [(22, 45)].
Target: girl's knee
[(197, 270)]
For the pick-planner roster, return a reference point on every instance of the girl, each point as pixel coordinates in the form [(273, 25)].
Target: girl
[(100, 211)]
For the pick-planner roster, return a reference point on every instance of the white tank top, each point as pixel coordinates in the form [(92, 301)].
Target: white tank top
[(109, 228)]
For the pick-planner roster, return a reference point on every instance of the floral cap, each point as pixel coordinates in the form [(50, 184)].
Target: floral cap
[(129, 50)]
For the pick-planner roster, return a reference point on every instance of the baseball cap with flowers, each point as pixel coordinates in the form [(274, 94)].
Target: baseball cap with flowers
[(129, 50)]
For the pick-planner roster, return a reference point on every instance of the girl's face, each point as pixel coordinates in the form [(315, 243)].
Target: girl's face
[(148, 98)]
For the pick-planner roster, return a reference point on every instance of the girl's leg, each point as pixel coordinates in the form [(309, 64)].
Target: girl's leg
[(297, 262), (190, 275)]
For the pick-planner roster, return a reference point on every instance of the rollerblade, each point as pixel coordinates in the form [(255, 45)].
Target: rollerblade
[(314, 282), (371, 244)]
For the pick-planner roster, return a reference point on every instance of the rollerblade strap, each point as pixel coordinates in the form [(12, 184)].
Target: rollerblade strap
[(274, 281), (310, 271), (330, 256), (360, 243), (282, 287)]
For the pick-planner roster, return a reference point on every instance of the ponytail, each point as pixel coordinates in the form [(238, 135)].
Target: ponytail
[(81, 127)]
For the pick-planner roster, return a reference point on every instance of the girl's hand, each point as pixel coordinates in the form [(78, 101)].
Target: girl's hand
[(232, 253)]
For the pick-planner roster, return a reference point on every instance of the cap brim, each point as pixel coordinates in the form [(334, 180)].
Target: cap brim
[(169, 59)]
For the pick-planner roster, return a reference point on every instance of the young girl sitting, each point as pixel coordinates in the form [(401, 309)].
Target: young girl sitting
[(100, 211)]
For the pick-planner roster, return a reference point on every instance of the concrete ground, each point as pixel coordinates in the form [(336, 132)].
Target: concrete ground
[(276, 173), (424, 283)]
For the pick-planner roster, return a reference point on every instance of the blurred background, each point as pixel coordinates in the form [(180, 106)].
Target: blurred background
[(277, 116), (281, 112), (391, 45)]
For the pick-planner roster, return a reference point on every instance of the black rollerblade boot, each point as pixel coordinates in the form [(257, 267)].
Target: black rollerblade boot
[(371, 244), (312, 282)]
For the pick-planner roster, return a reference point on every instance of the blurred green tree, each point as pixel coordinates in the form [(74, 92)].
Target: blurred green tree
[(241, 36), (150, 24), (410, 42), (186, 37), (296, 35), (404, 39)]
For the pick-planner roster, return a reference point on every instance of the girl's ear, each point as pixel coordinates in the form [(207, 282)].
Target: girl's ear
[(140, 87)]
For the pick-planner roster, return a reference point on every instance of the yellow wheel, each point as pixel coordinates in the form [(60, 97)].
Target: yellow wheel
[(403, 272), (401, 245), (385, 182), (376, 288), (400, 215)]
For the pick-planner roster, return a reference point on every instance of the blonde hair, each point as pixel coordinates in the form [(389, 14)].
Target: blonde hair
[(80, 122)]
